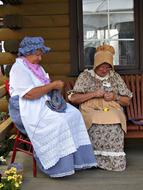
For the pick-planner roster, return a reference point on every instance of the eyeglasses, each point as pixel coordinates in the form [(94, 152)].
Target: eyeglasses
[(104, 67)]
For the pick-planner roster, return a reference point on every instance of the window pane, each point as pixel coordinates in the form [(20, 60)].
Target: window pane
[(126, 53), (121, 5), (122, 23), (94, 6), (112, 22)]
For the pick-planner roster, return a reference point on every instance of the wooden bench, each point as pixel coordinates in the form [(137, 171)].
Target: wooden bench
[(134, 111)]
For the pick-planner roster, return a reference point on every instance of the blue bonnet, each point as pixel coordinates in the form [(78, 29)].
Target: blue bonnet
[(29, 45)]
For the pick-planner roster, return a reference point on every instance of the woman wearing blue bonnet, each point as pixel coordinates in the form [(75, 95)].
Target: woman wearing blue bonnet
[(55, 128)]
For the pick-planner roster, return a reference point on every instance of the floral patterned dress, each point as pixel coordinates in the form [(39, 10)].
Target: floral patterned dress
[(107, 139)]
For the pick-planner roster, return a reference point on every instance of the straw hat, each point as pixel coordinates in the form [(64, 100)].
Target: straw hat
[(104, 54)]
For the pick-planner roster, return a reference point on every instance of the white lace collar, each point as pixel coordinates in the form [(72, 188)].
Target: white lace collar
[(93, 74), (101, 78)]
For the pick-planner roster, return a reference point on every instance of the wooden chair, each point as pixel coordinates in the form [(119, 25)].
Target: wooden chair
[(23, 144), (134, 111)]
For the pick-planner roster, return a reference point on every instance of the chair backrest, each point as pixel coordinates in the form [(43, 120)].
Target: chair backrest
[(135, 84)]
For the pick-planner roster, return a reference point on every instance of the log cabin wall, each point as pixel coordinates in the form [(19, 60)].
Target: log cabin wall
[(46, 18)]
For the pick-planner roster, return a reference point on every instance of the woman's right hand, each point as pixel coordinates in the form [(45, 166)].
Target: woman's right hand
[(109, 96), (58, 84), (99, 93)]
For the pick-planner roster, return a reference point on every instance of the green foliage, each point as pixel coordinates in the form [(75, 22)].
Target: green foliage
[(6, 146), (3, 116)]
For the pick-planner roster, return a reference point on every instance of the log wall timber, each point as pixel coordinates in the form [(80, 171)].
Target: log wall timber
[(2, 79), (46, 18), (43, 1), (5, 128), (51, 8), (47, 33), (55, 45), (58, 45), (57, 69), (45, 21), (7, 58), (3, 105), (2, 91), (51, 58)]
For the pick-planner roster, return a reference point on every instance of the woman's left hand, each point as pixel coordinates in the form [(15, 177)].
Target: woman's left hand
[(109, 96)]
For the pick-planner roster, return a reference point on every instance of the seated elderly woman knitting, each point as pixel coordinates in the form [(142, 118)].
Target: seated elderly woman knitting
[(101, 93), (55, 128)]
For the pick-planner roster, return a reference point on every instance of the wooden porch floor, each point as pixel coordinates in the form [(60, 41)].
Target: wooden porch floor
[(93, 179)]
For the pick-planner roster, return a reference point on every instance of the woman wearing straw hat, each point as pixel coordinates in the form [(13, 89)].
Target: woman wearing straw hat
[(101, 93), (55, 128)]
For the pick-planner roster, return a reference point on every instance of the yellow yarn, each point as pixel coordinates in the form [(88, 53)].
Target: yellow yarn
[(105, 109)]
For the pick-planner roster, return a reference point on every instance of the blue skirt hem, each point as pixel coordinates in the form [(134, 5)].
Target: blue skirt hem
[(83, 158)]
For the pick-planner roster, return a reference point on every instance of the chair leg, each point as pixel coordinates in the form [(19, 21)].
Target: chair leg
[(34, 167), (17, 141)]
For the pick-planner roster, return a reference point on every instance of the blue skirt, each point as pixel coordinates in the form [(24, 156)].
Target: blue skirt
[(81, 159)]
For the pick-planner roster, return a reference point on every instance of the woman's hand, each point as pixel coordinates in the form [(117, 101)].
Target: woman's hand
[(79, 98), (58, 84), (37, 92), (109, 96), (99, 93)]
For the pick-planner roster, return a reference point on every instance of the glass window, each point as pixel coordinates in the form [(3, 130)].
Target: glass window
[(112, 22)]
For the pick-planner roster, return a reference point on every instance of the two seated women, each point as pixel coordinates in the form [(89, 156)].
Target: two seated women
[(60, 138)]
